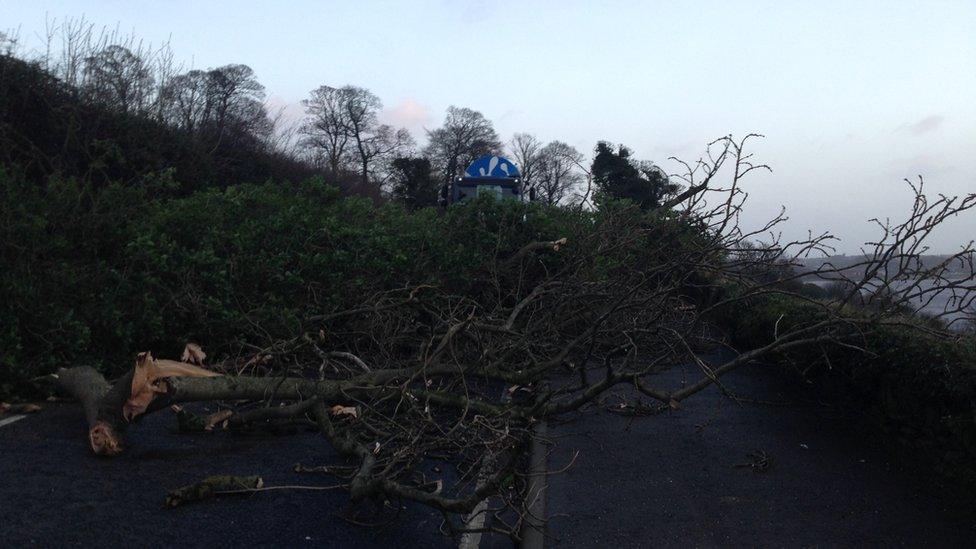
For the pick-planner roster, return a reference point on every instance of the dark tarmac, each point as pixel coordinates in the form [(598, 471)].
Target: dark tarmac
[(672, 479), (55, 493), (663, 480)]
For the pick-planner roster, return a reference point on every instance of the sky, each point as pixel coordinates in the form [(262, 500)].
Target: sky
[(852, 97)]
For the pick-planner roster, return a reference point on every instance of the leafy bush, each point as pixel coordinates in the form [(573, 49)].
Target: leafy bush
[(93, 276)]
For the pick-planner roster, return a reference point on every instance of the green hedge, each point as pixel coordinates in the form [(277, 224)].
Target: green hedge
[(92, 276), (919, 389)]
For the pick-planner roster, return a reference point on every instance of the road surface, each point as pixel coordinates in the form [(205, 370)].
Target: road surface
[(54, 492), (686, 478)]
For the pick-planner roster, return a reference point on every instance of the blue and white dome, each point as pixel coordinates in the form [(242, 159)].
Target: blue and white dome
[(492, 166)]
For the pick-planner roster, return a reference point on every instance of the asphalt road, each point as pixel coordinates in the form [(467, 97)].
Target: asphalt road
[(664, 480), (673, 480), (54, 492)]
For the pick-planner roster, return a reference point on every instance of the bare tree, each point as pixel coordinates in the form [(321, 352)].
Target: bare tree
[(185, 100), (118, 78), (8, 43), (361, 107), (465, 135), (116, 70), (235, 97), (326, 125), (217, 101), (283, 138), (66, 60), (343, 123), (377, 150), (164, 68), (109, 67), (524, 148), (558, 173), (374, 142)]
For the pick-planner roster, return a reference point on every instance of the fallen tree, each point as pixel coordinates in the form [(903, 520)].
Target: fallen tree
[(420, 375)]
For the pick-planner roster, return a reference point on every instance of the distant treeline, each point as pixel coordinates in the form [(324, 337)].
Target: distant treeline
[(851, 264), (107, 108)]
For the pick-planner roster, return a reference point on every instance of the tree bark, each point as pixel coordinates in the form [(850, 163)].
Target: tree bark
[(86, 385), (90, 388)]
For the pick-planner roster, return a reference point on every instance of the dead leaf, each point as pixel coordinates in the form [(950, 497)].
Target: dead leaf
[(257, 360), (211, 487), (340, 410), (673, 404), (103, 440), (376, 449), (193, 354), (217, 417), (558, 243), (25, 408)]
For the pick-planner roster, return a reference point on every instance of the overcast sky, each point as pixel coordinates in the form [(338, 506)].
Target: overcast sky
[(851, 96)]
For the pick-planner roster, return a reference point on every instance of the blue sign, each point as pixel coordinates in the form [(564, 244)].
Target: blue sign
[(492, 166)]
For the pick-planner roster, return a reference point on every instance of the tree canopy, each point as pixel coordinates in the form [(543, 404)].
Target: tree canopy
[(465, 135), (617, 175), (413, 183)]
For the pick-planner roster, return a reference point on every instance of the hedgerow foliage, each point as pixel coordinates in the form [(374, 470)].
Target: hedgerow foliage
[(93, 276)]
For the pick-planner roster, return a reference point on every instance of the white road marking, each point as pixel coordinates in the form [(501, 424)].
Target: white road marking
[(474, 521), (10, 420), (534, 527)]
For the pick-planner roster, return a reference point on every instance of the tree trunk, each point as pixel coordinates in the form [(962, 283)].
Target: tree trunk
[(90, 388), (87, 386)]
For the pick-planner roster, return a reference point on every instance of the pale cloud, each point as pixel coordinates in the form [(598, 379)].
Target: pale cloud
[(291, 111), (510, 114), (685, 149), (931, 165), (927, 124), (408, 113)]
